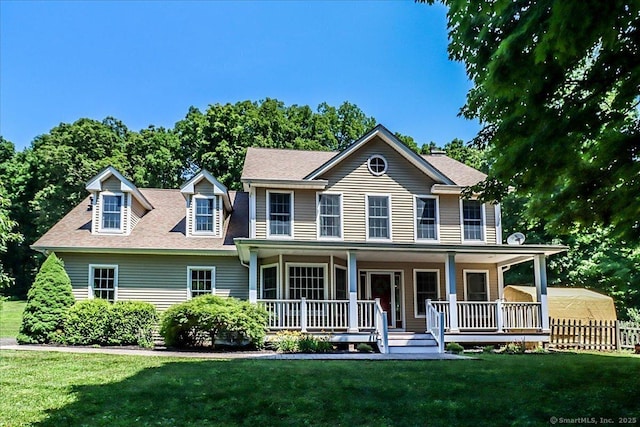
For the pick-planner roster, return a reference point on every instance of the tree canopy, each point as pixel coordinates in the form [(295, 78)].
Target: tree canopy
[(557, 85)]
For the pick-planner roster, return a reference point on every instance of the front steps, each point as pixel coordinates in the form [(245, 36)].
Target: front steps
[(411, 343)]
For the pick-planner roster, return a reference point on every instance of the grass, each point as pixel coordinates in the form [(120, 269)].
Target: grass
[(53, 389), (10, 318)]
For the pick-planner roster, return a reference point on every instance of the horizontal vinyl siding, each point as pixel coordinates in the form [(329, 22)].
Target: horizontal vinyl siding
[(304, 212), (490, 217), (261, 213), (493, 279), (112, 184), (160, 279), (450, 219), (402, 181), (137, 212)]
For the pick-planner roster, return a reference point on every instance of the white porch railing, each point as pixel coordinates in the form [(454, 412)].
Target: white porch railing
[(381, 328), (521, 315), (366, 315), (477, 315), (492, 316), (442, 307), (435, 324)]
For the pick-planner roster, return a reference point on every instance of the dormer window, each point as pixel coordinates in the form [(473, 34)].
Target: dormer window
[(111, 213), (204, 215), (207, 204)]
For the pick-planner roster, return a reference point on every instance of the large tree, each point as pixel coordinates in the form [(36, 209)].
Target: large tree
[(557, 85)]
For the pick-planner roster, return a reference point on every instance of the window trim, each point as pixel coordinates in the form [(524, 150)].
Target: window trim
[(464, 278), (194, 209), (415, 218), (278, 287), (389, 219), (191, 268), (325, 267), (329, 193), (415, 288), (268, 215), (483, 224), (377, 156), (123, 204), (92, 268)]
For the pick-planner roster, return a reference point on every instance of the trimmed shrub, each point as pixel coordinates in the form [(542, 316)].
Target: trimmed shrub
[(364, 348), (454, 347), (298, 342), (206, 318), (48, 300), (99, 322)]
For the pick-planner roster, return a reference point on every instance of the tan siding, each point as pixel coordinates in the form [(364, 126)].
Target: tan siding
[(490, 217), (204, 188), (112, 184), (189, 216), (137, 212), (304, 212), (450, 219), (493, 279), (160, 279)]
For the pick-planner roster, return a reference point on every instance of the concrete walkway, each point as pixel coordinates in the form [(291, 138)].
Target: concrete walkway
[(10, 344)]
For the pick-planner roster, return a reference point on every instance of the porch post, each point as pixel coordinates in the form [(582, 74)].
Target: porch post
[(540, 275), (253, 275), (450, 281), (353, 291)]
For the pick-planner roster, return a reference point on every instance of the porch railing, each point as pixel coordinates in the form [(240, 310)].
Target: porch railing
[(477, 315), (435, 324), (492, 316), (381, 328), (366, 315)]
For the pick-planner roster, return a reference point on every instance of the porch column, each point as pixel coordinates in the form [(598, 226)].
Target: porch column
[(540, 275), (450, 281), (353, 291), (253, 275)]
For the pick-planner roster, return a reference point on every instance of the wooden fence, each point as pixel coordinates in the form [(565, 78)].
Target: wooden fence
[(600, 335)]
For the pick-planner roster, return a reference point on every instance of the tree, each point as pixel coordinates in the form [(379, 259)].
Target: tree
[(47, 303), (7, 235), (557, 84)]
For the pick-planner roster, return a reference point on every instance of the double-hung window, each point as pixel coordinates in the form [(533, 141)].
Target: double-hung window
[(378, 217), (476, 285), (472, 220), (426, 287), (307, 281), (329, 215), (204, 215), (201, 281), (280, 214), (426, 218), (269, 281), (111, 212), (103, 281)]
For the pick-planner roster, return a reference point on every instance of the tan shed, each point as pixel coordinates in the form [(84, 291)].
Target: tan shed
[(567, 303)]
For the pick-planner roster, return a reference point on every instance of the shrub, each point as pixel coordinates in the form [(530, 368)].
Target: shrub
[(287, 341), (99, 322), (48, 300), (207, 318), (324, 346), (454, 347), (515, 348), (488, 349), (364, 348)]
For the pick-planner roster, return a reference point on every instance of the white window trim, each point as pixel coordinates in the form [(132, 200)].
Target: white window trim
[(252, 212), (92, 268), (415, 288), (307, 264), (483, 216), (366, 207), (190, 268), (278, 287), (338, 238), (335, 290), (268, 204), (415, 218), (216, 207), (377, 156), (464, 277), (123, 205), (498, 221)]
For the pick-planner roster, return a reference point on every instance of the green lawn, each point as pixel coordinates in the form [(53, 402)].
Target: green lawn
[(10, 318), (55, 389)]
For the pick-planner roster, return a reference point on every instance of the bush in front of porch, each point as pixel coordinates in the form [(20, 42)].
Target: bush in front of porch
[(298, 342)]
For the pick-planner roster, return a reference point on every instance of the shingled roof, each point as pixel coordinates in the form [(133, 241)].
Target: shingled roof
[(163, 228)]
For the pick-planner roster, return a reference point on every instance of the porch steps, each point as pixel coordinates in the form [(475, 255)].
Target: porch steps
[(408, 342)]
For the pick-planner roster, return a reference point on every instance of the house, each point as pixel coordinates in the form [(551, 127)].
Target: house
[(373, 243)]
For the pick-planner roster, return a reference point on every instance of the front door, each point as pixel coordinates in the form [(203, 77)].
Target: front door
[(381, 287)]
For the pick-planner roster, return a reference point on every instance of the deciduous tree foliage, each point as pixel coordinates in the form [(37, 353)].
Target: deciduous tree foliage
[(557, 84)]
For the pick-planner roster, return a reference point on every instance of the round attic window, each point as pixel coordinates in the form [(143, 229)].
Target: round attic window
[(377, 165)]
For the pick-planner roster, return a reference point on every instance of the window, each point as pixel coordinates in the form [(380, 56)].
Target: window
[(377, 165), (204, 215), (306, 282), (342, 291), (103, 281), (201, 281), (280, 214), (378, 217), (111, 212), (472, 220), (426, 218), (426, 287), (476, 285), (269, 281), (329, 215)]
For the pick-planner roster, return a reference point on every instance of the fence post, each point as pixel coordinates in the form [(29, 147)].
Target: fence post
[(618, 343), (303, 314)]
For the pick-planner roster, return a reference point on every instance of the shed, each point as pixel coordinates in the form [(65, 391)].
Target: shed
[(567, 303)]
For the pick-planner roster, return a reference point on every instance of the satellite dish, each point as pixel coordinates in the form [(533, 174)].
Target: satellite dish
[(515, 239)]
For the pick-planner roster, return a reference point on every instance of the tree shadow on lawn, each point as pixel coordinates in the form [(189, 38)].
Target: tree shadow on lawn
[(253, 392)]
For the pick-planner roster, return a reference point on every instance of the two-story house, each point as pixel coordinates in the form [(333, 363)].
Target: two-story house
[(366, 243)]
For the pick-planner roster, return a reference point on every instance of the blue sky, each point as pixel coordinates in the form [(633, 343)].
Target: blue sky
[(147, 62)]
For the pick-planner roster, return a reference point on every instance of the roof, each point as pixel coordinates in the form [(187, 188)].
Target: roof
[(163, 228), (280, 164), (95, 184)]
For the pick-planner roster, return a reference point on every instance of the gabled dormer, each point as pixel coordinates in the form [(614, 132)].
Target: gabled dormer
[(116, 204), (208, 205)]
